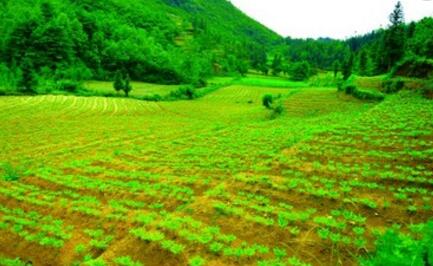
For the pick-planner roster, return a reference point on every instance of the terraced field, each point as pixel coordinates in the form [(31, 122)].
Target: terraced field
[(212, 181), (139, 88)]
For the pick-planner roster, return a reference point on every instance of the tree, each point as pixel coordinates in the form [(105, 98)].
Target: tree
[(127, 88), (397, 15), (53, 44), (267, 101), (258, 58), (410, 31), (277, 65), (242, 67), (47, 11), (336, 68), (300, 71), (363, 60), (20, 42), (118, 84), (26, 82), (395, 38), (347, 67), (422, 43), (264, 69)]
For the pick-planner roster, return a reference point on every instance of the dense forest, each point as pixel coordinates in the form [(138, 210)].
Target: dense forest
[(184, 42), (162, 41), (378, 52)]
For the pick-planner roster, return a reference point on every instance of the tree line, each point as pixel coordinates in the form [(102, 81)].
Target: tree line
[(371, 54)]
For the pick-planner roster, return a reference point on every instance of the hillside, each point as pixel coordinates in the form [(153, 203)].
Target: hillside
[(184, 133), (114, 182), (164, 41)]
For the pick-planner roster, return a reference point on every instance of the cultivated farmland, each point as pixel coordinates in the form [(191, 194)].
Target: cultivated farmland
[(214, 181)]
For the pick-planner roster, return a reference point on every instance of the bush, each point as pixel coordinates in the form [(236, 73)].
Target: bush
[(151, 98), (413, 66), (394, 248), (68, 85), (369, 95), (10, 173), (349, 89), (184, 92), (300, 71), (200, 83), (273, 103), (277, 110), (392, 85), (267, 101)]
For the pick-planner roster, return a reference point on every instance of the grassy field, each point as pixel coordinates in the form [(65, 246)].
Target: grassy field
[(269, 81), (212, 181), (139, 88)]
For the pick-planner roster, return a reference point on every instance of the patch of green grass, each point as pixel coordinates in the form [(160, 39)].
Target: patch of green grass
[(12, 262), (126, 261), (10, 173), (270, 82), (140, 89), (396, 248)]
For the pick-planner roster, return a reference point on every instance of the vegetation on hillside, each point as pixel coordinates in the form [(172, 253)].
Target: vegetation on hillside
[(405, 49), (240, 152), (46, 41), (115, 181)]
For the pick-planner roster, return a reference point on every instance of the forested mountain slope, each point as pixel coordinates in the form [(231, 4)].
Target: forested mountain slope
[(167, 41)]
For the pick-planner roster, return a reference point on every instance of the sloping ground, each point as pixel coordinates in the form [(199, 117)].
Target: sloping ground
[(139, 88), (377, 82), (212, 179), (319, 101)]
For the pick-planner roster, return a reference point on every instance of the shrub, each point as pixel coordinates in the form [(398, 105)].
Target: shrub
[(349, 89), (152, 98), (127, 88), (184, 92), (277, 110), (267, 101), (10, 173), (200, 83), (118, 83), (413, 66), (68, 85), (369, 95), (394, 248), (300, 71), (392, 85)]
